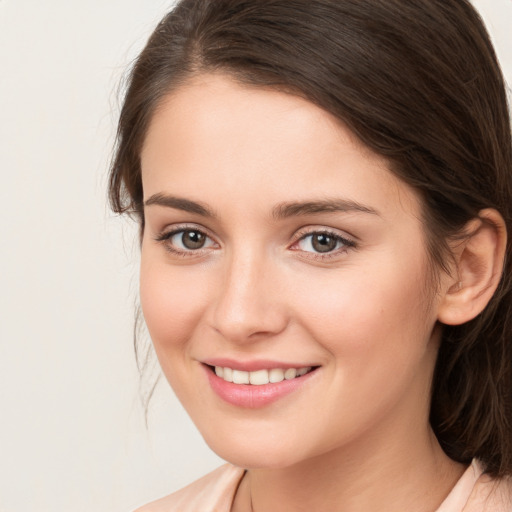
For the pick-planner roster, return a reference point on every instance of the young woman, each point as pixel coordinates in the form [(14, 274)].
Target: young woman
[(324, 191)]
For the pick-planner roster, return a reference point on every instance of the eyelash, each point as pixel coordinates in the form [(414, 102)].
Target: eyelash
[(347, 243)]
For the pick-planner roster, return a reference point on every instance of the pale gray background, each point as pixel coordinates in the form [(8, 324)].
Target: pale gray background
[(72, 434)]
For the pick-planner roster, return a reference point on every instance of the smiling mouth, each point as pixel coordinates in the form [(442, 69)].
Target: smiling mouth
[(260, 377)]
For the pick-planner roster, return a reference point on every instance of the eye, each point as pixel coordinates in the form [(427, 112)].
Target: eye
[(323, 242), (189, 239), (185, 240)]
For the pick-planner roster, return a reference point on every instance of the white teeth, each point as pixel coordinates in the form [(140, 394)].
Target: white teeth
[(228, 374), (260, 377), (240, 377), (276, 375), (290, 373)]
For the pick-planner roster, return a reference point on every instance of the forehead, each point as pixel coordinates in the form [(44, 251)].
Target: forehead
[(215, 138)]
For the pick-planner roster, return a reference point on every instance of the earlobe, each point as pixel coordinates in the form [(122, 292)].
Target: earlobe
[(478, 265)]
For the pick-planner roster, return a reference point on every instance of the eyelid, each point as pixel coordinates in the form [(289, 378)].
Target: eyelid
[(319, 229), (184, 226)]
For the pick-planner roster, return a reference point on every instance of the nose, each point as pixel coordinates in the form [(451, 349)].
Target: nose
[(249, 304)]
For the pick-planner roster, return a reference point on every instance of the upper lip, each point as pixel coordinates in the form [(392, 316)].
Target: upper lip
[(254, 365)]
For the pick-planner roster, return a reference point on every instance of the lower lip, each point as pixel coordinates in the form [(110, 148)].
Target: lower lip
[(253, 397)]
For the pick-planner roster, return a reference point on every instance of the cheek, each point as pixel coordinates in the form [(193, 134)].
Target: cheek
[(377, 335), (172, 302), (371, 316)]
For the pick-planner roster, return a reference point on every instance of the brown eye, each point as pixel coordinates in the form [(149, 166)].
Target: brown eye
[(185, 241), (193, 239), (322, 242)]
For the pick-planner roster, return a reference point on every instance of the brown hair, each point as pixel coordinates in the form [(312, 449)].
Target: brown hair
[(418, 82)]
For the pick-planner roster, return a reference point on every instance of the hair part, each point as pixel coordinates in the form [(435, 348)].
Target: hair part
[(418, 82)]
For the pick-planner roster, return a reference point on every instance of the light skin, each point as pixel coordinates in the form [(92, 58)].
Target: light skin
[(309, 251)]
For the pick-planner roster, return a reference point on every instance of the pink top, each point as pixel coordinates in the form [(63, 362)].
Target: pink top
[(474, 492)]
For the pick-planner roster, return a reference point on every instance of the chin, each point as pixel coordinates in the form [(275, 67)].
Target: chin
[(247, 453)]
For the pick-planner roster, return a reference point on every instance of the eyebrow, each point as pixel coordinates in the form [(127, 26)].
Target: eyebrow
[(285, 210), (280, 211), (180, 203)]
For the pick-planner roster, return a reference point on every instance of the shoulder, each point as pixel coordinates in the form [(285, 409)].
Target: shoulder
[(214, 490), (490, 495)]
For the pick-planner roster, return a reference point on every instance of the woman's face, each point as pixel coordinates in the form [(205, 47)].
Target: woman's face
[(275, 244)]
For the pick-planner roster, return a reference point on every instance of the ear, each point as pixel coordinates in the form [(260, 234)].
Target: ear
[(477, 268)]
